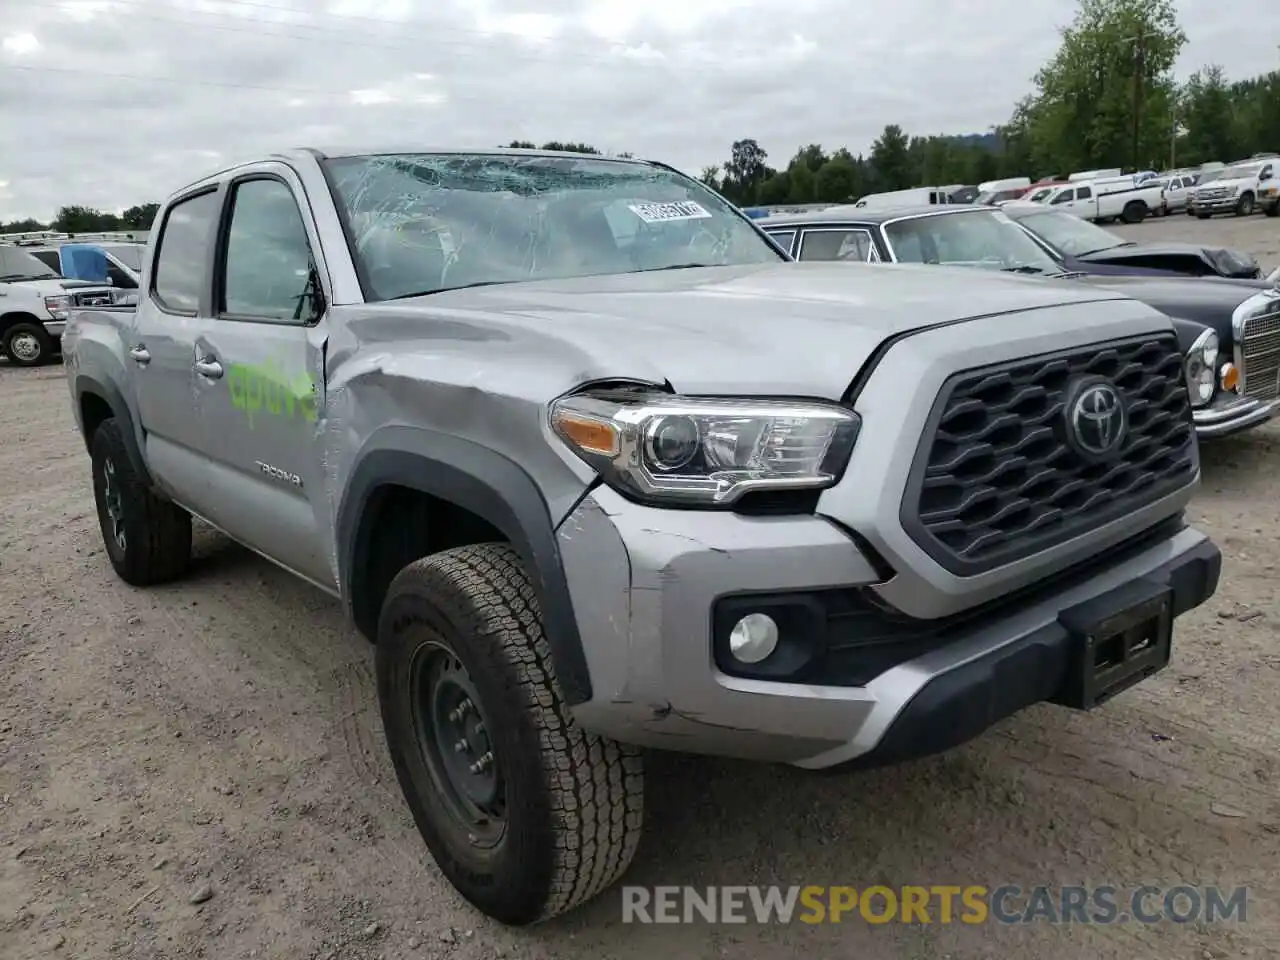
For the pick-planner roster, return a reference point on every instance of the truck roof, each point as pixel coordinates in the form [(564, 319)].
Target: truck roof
[(334, 152)]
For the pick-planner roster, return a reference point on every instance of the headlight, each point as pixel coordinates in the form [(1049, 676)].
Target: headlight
[(705, 451), (58, 307), (1201, 368)]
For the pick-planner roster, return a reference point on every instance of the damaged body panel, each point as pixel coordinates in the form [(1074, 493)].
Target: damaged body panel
[(600, 467)]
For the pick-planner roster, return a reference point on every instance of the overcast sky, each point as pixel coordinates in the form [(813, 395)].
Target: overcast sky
[(109, 103)]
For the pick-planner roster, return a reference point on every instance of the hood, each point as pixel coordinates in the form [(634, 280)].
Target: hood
[(53, 286), (798, 329), (1206, 301), (1233, 183), (1225, 261)]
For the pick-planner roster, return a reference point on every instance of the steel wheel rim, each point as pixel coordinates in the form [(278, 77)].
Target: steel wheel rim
[(25, 346), (453, 737), (113, 504)]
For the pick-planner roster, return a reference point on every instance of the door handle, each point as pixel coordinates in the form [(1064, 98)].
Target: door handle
[(141, 354), (208, 367)]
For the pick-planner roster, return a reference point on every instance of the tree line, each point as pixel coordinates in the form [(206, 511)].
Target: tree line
[(1107, 98)]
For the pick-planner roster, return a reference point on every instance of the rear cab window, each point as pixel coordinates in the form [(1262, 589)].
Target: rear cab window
[(182, 258)]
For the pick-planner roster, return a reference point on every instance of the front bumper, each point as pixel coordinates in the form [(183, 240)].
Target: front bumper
[(1228, 414), (1216, 205), (645, 583)]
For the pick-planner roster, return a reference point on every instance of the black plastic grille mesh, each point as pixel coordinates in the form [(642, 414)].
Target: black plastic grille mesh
[(998, 481)]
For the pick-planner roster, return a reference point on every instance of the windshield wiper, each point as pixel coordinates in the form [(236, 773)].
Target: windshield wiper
[(461, 286), (25, 276), (1114, 246), (1022, 268), (679, 266)]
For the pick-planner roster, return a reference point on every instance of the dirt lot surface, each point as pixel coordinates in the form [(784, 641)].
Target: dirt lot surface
[(222, 733)]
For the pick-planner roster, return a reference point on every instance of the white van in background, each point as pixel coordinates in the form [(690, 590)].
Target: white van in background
[(1109, 174), (916, 197)]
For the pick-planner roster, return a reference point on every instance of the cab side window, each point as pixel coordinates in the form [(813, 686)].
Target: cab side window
[(1066, 196), (184, 253), (267, 269), (49, 258), (1083, 193), (851, 245), (782, 238), (119, 279)]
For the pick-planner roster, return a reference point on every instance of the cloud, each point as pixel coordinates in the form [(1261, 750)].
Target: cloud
[(109, 103)]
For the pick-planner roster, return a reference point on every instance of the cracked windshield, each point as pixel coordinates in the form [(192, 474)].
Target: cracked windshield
[(421, 223)]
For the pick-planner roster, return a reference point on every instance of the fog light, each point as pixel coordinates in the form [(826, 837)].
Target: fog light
[(753, 638)]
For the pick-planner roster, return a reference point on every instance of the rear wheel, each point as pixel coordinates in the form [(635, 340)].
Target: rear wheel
[(148, 539), (28, 345), (525, 813), (1244, 206), (1135, 211)]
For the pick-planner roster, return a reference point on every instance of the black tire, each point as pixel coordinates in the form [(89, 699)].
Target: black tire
[(1135, 211), (571, 802), (1273, 210), (1244, 206), (28, 345), (147, 538), (1203, 216)]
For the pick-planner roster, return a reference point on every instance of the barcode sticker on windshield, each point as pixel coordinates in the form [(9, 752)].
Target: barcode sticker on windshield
[(665, 212)]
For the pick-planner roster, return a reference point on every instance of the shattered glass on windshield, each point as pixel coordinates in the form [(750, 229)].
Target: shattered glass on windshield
[(431, 222)]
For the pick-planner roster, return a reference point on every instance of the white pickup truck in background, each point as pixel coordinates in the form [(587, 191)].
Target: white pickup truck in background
[(35, 300), (1116, 198), (1241, 189)]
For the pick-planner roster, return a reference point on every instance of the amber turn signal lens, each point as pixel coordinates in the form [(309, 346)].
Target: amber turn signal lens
[(1229, 376), (589, 436)]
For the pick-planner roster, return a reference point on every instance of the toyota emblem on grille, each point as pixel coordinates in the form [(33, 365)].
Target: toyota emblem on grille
[(1096, 419)]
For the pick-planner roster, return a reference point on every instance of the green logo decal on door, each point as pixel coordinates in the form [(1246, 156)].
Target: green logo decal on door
[(265, 388)]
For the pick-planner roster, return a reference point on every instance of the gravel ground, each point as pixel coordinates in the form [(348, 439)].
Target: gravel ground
[(218, 741)]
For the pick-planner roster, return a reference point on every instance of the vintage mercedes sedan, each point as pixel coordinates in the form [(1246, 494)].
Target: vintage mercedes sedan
[(1228, 329)]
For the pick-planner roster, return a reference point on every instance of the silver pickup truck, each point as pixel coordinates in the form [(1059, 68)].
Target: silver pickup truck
[(599, 468)]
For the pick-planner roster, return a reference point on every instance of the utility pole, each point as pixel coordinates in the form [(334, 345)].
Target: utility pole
[(1139, 71)]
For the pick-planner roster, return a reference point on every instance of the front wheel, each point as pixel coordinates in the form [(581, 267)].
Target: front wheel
[(1273, 210), (1203, 216), (28, 345), (525, 813), (1244, 206)]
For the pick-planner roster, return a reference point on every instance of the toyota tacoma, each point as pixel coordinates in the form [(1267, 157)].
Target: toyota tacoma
[(599, 469)]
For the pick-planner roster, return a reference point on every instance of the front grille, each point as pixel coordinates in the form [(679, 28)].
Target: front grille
[(1217, 193), (93, 298), (995, 479), (1260, 352)]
